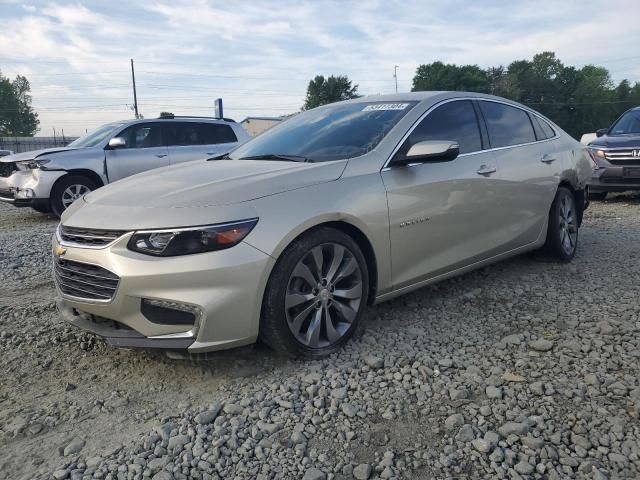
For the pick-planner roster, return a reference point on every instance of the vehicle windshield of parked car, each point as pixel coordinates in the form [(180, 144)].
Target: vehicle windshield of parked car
[(628, 124), (95, 137), (327, 133)]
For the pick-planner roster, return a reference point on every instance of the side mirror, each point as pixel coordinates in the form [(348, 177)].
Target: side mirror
[(601, 132), (117, 142), (429, 151)]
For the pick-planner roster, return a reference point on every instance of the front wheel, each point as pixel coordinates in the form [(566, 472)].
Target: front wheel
[(67, 190), (316, 295), (562, 232)]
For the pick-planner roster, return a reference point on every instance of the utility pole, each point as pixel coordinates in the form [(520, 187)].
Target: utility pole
[(395, 76), (135, 96)]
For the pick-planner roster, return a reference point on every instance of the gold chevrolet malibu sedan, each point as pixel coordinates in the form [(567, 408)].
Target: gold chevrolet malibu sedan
[(289, 237)]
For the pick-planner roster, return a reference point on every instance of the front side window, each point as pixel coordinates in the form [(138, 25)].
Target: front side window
[(627, 124), (332, 132), (143, 135), (507, 125), (454, 121)]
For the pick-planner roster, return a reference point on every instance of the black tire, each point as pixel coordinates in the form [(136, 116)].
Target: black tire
[(597, 195), (559, 244), (42, 208), (274, 323), (57, 203)]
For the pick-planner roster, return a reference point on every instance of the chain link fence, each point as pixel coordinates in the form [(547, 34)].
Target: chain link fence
[(26, 144)]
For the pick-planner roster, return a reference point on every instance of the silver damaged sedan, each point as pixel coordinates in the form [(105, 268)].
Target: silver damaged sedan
[(289, 237)]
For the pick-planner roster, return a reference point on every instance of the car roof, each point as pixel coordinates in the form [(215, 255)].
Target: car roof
[(426, 96), (225, 121)]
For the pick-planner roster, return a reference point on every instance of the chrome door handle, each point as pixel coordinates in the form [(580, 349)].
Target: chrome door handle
[(486, 170), (547, 159), (161, 155)]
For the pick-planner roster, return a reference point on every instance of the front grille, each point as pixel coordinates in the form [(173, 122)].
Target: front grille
[(83, 280), (7, 169), (623, 157), (88, 237)]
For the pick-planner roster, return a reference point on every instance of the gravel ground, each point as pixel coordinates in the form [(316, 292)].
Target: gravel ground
[(526, 369)]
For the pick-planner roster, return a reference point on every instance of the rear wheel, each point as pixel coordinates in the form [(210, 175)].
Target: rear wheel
[(562, 231), (67, 190), (316, 295), (597, 195)]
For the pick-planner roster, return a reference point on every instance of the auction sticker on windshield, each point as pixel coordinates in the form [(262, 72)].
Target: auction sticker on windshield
[(385, 106)]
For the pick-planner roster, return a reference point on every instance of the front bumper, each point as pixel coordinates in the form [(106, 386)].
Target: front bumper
[(615, 178), (224, 287), (26, 188)]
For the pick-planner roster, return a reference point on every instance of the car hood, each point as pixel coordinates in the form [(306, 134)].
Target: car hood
[(19, 157), (616, 141), (212, 191)]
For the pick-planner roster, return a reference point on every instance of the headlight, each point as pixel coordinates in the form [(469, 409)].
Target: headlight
[(32, 164), (183, 241)]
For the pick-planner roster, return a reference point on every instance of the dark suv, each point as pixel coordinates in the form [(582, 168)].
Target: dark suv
[(616, 153)]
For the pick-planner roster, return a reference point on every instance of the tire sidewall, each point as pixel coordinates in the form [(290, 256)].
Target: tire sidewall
[(554, 242), (274, 313), (61, 185)]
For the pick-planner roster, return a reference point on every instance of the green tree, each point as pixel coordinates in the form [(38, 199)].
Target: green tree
[(166, 114), (322, 91), (17, 117), (438, 76), (580, 100)]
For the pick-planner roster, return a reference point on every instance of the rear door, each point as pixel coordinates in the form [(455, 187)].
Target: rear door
[(442, 215), (198, 140), (529, 168), (144, 149)]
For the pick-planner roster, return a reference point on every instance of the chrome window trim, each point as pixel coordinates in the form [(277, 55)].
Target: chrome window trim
[(386, 166)]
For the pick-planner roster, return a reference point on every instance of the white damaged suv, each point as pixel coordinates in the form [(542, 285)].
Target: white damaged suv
[(52, 179)]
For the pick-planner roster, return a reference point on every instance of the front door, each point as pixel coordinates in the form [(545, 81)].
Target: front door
[(443, 215), (144, 149)]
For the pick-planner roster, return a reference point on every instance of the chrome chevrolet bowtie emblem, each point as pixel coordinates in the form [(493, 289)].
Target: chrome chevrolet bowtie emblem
[(59, 251)]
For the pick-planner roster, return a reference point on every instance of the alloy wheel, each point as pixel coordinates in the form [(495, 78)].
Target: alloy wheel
[(323, 295), (568, 225), (72, 193)]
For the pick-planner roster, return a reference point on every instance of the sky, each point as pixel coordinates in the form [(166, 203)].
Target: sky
[(260, 56)]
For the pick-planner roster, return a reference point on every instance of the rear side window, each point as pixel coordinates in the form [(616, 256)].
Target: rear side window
[(216, 133), (507, 125), (185, 133), (543, 129), (455, 121)]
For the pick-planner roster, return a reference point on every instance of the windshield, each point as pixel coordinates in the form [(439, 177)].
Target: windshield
[(629, 123), (95, 137), (327, 133)]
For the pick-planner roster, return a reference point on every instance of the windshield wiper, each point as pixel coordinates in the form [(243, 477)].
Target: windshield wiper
[(278, 157), (224, 156)]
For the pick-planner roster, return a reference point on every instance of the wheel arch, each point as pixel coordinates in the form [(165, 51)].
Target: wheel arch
[(356, 233), (83, 172), (579, 198)]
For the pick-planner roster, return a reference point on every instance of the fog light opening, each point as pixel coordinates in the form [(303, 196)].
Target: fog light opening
[(166, 312)]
